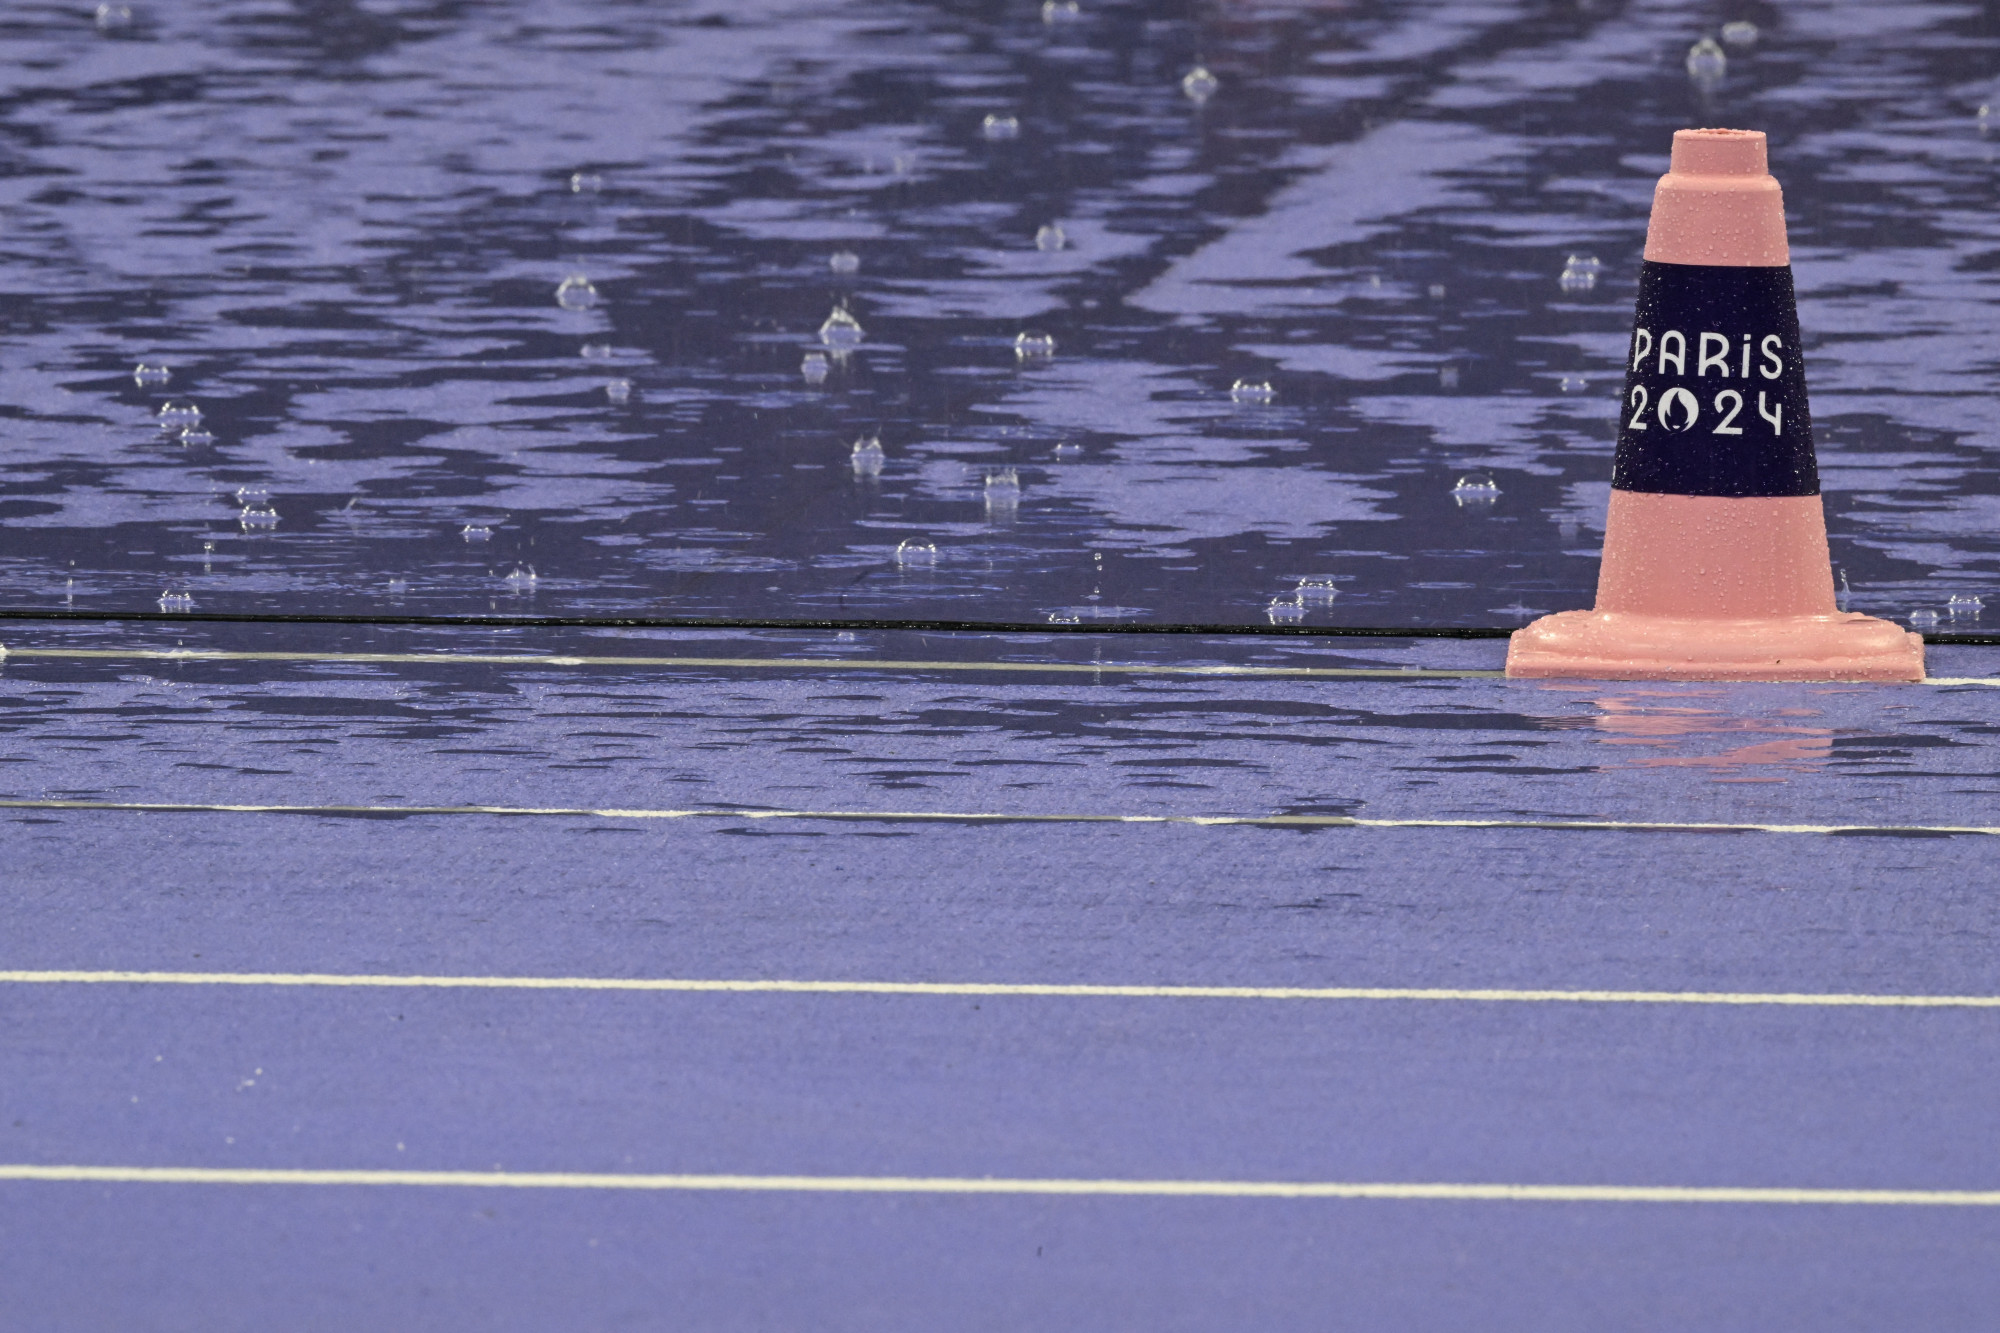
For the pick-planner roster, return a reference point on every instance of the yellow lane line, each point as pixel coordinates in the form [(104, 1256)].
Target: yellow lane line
[(1211, 1189), (998, 817), (997, 988)]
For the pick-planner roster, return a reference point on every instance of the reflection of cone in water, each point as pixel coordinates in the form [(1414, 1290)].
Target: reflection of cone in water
[(1715, 557)]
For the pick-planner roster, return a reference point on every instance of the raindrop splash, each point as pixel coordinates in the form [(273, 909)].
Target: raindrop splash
[(1003, 494), (1198, 85), (1051, 237), (1475, 489), (174, 600), (841, 329), (476, 532), (912, 553), (1316, 591), (813, 368), (147, 376), (1580, 273), (867, 456), (1742, 34), (1029, 343), (196, 436), (1061, 11), (522, 579), (113, 18), (258, 514), (1924, 618), (179, 416), (1285, 611), (618, 391), (1964, 606), (585, 182), (844, 261), (576, 293), (997, 127), (1252, 391), (1707, 62)]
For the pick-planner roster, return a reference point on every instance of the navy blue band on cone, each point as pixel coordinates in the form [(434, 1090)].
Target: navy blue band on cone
[(1715, 387)]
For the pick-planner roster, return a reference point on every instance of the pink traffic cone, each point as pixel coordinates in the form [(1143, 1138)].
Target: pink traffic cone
[(1715, 560)]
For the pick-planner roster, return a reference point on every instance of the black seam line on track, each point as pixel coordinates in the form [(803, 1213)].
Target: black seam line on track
[(752, 623), (998, 817), (836, 624)]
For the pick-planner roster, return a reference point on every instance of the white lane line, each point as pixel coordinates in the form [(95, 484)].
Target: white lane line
[(997, 817), (739, 986), (732, 663), (1212, 1189)]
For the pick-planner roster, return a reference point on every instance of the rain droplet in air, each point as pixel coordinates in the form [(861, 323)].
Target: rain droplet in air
[(1964, 606), (1051, 237), (1316, 591), (1741, 34), (585, 182), (258, 514), (1252, 391), (844, 261), (174, 600), (576, 293), (1475, 488), (1199, 85), (178, 416), (1706, 62), (113, 18), (841, 329), (813, 368), (618, 391), (145, 375), (997, 127), (1061, 11), (912, 552), (476, 532), (867, 456), (1029, 343), (1285, 611)]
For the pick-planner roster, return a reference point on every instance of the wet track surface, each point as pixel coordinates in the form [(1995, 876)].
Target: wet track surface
[(525, 310), (345, 234)]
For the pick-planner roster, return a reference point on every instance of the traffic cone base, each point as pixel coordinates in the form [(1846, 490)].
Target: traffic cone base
[(1618, 645)]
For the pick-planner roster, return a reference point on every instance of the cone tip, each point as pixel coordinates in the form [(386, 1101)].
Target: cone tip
[(1719, 153)]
